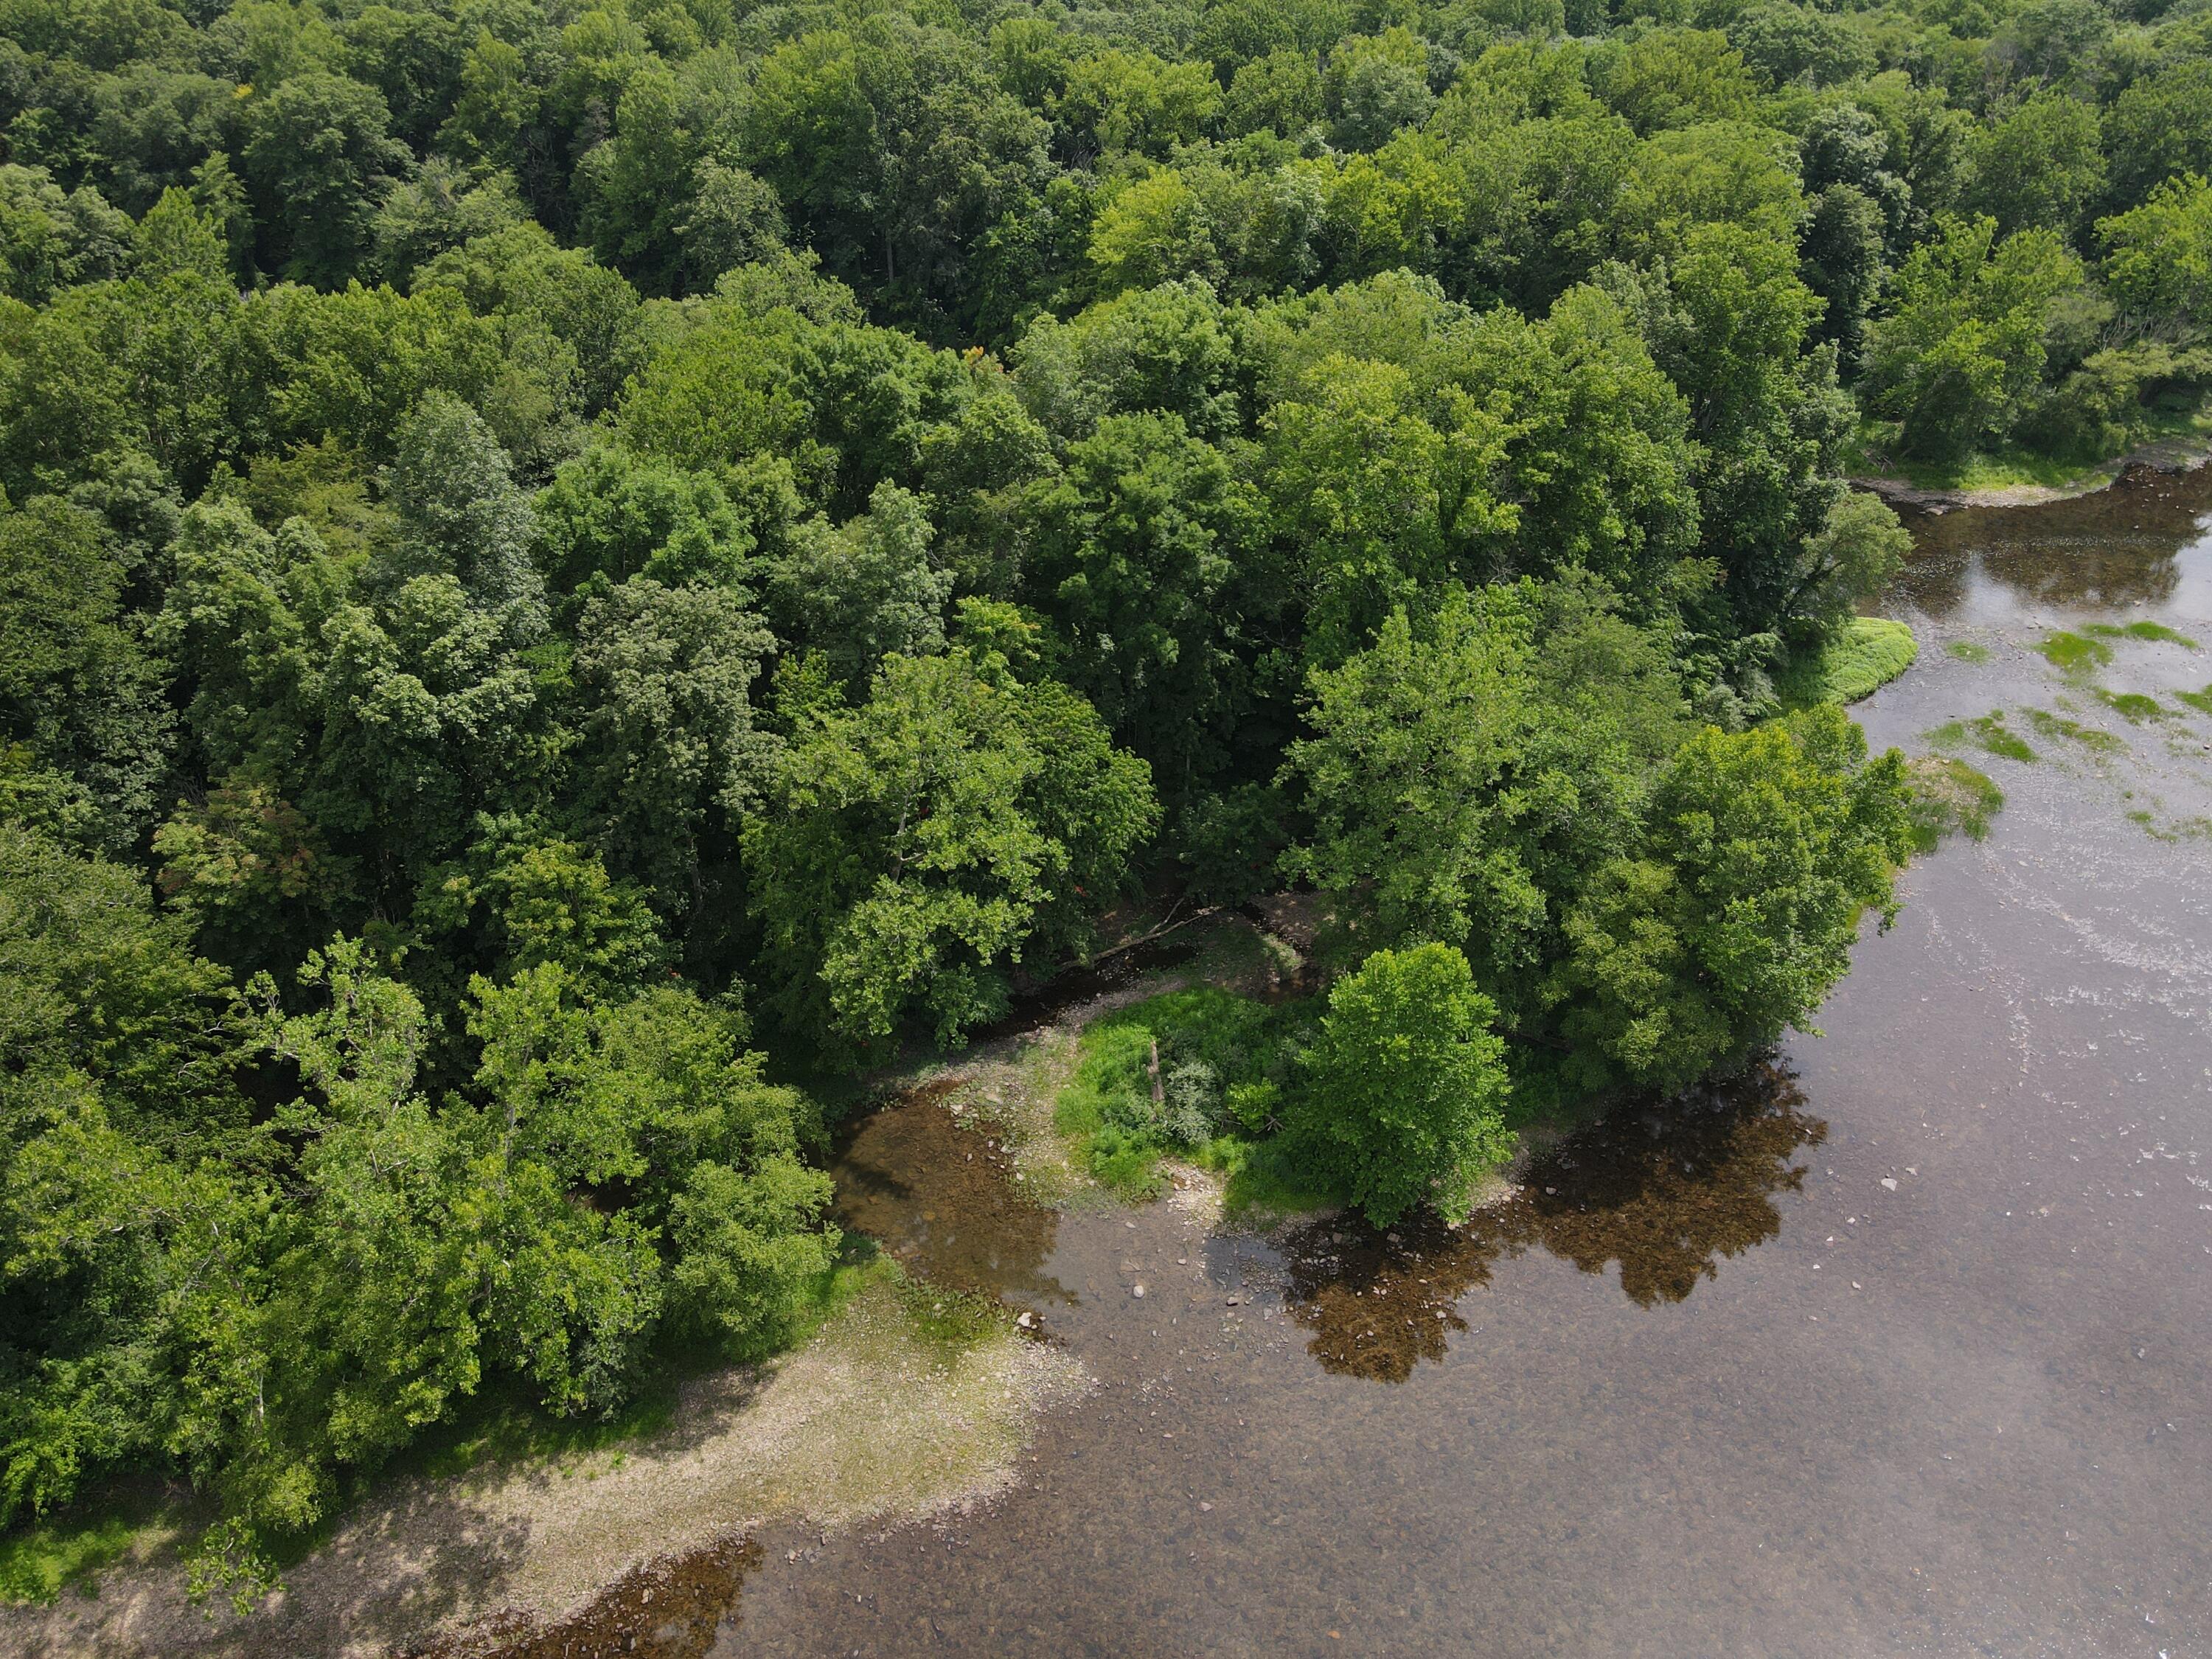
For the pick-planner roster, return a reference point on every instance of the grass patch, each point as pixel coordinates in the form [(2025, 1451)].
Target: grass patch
[(1264, 1179), (1222, 1061), (2075, 653), (1968, 651), (2132, 705), (1989, 732), (1950, 797), (38, 1561), (2200, 701), (2158, 633), (1856, 661), (951, 1319), (2048, 724)]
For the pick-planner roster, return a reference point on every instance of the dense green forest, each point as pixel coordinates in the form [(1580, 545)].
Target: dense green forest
[(567, 567)]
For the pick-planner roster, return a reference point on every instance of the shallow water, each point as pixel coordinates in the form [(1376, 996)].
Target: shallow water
[(938, 1194), (1896, 1346)]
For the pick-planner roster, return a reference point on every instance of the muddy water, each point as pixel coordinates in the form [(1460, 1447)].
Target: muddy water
[(1897, 1346)]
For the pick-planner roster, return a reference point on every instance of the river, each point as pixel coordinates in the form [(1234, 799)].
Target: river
[(1897, 1345)]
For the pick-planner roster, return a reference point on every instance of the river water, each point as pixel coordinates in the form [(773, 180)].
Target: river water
[(1897, 1346)]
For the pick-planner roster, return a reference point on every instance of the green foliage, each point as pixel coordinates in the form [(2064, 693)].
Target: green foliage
[(79, 693), (1059, 453), (613, 514), (1263, 1180), (318, 154), (1961, 357), (38, 1561), (1404, 1089), (1224, 1067), (2037, 166), (1851, 557), (1217, 1043), (1738, 913), (2158, 260), (917, 845), (1462, 784)]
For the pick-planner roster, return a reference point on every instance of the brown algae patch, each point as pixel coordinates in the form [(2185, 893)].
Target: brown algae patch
[(876, 1419), (672, 1608)]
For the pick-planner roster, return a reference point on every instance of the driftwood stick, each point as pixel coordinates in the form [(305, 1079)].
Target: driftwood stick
[(1161, 931)]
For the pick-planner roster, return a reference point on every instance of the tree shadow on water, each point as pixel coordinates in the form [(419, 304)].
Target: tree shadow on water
[(1663, 1189)]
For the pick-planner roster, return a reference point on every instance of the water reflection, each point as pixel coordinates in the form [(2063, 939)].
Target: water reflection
[(666, 1610), (1663, 1191), (938, 1194), (2140, 544)]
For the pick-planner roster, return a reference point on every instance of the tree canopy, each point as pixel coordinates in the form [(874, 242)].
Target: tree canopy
[(562, 566)]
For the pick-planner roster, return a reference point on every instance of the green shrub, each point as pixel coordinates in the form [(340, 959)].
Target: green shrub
[(1256, 1107)]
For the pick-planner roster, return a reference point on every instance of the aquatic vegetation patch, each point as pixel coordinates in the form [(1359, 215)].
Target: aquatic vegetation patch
[(949, 1318), (2048, 724), (1950, 797), (2132, 706), (1968, 651), (2193, 829), (1989, 732), (2157, 633), (2075, 653)]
